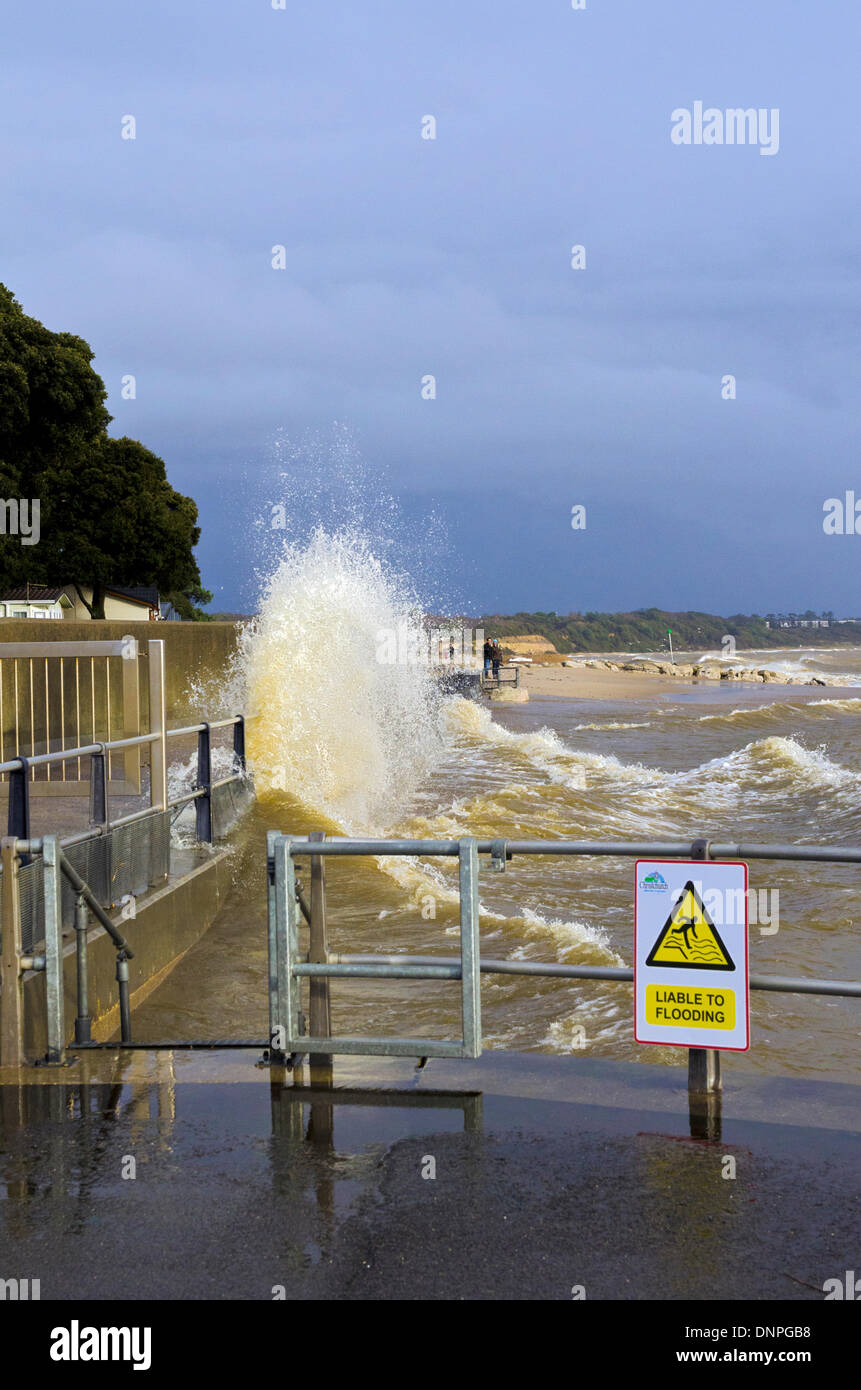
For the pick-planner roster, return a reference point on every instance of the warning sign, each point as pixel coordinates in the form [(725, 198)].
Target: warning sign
[(691, 985), (689, 937), (703, 1008)]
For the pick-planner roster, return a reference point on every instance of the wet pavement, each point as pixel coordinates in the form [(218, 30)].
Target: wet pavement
[(516, 1177)]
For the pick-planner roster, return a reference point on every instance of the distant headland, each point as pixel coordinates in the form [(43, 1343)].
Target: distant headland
[(646, 629)]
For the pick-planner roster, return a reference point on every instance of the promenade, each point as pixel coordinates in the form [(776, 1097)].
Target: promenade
[(517, 1177)]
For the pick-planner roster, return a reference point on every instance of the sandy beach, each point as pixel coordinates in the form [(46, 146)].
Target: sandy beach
[(585, 683)]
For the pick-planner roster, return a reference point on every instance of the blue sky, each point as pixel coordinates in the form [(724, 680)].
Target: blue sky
[(302, 127)]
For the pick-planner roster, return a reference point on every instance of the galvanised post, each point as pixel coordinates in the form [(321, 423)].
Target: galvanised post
[(470, 947), (276, 1041), (703, 1070), (704, 1076), (319, 999), (283, 944), (12, 1008), (203, 804), (18, 814), (157, 723), (131, 758), (82, 1021), (100, 809), (123, 991), (239, 742), (98, 789), (287, 906), (55, 1024)]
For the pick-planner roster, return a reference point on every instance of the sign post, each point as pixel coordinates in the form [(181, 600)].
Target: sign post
[(690, 972)]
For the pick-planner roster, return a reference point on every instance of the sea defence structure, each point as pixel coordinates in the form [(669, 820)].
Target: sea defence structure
[(551, 1174), (95, 910), (192, 650), (293, 1036), (296, 1032)]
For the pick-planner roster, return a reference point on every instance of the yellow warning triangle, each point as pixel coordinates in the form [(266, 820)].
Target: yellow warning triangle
[(689, 938)]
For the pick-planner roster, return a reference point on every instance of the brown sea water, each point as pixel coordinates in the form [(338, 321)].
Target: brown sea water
[(342, 743)]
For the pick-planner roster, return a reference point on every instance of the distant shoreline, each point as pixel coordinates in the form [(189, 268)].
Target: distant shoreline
[(646, 630), (607, 680)]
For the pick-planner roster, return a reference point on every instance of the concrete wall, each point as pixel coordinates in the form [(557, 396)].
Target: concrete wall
[(166, 925), (192, 650)]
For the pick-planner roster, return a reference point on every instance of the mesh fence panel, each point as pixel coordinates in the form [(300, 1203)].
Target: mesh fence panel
[(130, 859), (228, 803)]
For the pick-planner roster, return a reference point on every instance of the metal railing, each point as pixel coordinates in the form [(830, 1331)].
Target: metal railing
[(16, 963), (491, 682), (18, 814), (53, 693), (287, 968), (21, 852), (294, 1035)]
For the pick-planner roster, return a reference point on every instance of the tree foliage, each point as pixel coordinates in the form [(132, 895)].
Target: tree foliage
[(646, 630), (108, 513), (186, 604)]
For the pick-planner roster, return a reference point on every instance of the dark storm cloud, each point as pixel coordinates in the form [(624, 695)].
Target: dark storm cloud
[(404, 257)]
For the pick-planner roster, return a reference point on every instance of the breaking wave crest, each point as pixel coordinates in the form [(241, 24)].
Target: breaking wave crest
[(340, 731)]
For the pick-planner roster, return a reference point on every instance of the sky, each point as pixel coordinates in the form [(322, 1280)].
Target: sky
[(405, 257)]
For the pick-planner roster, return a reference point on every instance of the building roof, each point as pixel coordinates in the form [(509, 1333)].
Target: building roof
[(32, 593), (140, 593)]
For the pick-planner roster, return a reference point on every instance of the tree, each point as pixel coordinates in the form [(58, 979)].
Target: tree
[(51, 400), (108, 513), (185, 602), (113, 518)]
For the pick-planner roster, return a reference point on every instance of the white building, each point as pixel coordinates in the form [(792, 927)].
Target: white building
[(35, 601), (46, 601)]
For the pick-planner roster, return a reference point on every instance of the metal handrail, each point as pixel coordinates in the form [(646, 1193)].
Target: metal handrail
[(84, 890), (85, 750), (671, 849), (491, 680), (503, 850), (341, 963), (287, 967), (34, 846), (109, 745), (55, 864), (19, 773)]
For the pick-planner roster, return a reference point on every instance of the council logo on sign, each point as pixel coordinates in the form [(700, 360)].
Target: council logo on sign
[(689, 938), (654, 883)]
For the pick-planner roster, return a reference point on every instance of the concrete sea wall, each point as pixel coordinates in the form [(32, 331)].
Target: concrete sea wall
[(193, 652), (168, 922)]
